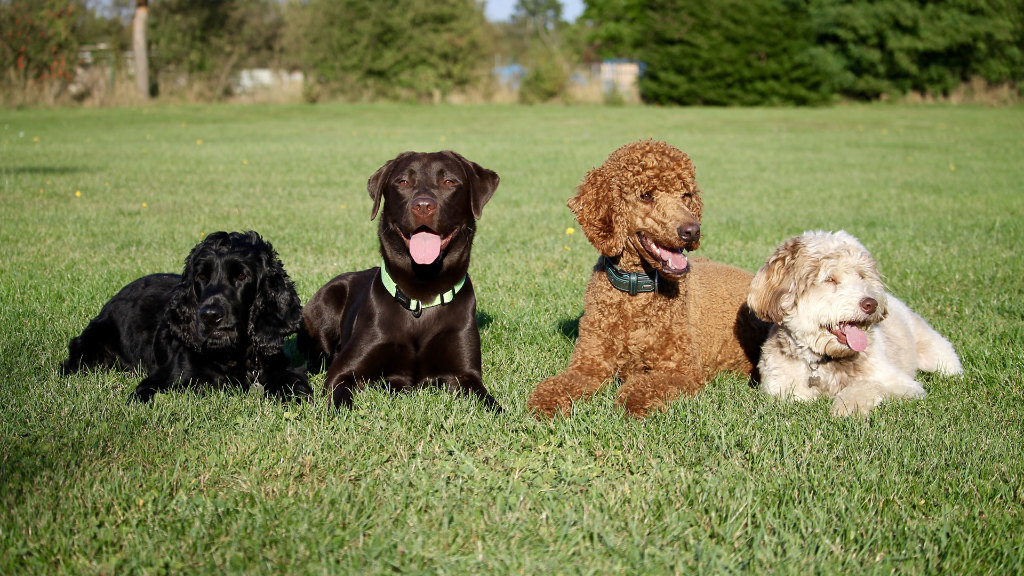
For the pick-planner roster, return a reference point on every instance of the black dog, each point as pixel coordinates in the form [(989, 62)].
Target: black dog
[(222, 322), (411, 322)]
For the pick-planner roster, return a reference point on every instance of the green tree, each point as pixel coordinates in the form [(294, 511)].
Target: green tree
[(537, 27), (410, 49), (614, 28), (726, 52), (37, 41), (208, 41), (896, 46)]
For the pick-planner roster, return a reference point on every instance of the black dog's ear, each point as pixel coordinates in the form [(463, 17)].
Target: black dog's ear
[(379, 181), (183, 307), (483, 182), (276, 311)]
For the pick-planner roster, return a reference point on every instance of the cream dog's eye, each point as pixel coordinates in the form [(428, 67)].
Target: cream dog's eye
[(830, 280)]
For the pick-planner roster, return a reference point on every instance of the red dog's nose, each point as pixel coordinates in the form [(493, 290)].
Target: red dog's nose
[(424, 207), (689, 232)]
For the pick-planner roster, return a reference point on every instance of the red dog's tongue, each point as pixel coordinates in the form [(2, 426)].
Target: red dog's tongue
[(424, 247), (856, 338), (676, 260)]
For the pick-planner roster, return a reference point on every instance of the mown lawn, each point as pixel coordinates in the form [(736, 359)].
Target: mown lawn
[(727, 481)]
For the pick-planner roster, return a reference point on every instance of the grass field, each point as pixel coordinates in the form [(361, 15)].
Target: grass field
[(726, 481)]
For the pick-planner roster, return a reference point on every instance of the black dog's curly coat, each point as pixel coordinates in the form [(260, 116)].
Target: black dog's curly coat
[(223, 321)]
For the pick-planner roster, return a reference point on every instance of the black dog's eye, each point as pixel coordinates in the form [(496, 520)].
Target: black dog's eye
[(647, 197), (241, 277), (203, 278)]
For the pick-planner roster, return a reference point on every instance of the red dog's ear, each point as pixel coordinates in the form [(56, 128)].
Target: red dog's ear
[(376, 184), (482, 182), (773, 289), (594, 206)]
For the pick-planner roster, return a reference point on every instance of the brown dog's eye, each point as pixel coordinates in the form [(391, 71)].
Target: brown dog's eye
[(647, 197), (450, 182), (402, 182)]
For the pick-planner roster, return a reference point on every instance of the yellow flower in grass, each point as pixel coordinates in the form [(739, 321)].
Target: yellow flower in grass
[(199, 142), (78, 193), (570, 231)]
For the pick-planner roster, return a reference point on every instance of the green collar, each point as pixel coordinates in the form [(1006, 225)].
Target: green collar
[(631, 282), (413, 305)]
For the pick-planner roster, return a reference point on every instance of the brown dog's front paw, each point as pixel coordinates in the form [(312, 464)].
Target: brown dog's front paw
[(639, 405), (643, 394), (543, 406)]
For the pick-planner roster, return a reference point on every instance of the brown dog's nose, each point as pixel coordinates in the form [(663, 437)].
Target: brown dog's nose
[(689, 232), (424, 207), (868, 305)]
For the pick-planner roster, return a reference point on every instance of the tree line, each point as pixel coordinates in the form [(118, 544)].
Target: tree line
[(717, 52)]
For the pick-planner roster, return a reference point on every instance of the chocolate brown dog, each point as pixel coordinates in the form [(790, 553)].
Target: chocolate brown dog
[(412, 321)]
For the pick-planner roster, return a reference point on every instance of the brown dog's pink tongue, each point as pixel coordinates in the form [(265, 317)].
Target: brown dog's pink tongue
[(424, 247), (856, 338), (676, 260)]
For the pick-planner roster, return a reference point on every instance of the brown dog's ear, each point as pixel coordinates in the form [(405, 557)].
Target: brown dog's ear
[(772, 291), (482, 182), (594, 207), (379, 181)]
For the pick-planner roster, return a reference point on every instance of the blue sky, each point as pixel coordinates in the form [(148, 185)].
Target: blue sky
[(502, 9)]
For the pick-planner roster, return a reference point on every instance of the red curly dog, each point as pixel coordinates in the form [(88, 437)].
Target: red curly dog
[(661, 322)]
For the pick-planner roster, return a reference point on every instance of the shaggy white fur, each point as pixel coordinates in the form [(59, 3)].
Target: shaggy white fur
[(837, 331)]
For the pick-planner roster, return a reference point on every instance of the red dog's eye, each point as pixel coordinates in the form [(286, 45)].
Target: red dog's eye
[(647, 197)]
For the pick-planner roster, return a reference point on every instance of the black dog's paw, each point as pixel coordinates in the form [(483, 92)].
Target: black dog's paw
[(141, 395), (298, 391), (302, 392), (491, 404)]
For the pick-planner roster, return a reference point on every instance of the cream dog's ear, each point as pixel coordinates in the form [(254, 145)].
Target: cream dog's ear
[(772, 291), (595, 208)]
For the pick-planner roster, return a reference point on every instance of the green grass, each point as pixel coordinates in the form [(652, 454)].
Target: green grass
[(727, 481)]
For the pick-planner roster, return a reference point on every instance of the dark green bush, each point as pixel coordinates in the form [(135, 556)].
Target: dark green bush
[(724, 52)]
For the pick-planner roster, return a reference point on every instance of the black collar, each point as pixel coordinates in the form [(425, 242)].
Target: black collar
[(630, 282)]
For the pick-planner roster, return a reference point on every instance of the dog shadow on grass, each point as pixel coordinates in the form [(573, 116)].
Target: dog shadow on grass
[(570, 327), (483, 319)]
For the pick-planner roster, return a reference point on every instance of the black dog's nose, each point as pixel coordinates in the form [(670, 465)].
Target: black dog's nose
[(689, 232), (211, 315), (424, 207), (868, 305)]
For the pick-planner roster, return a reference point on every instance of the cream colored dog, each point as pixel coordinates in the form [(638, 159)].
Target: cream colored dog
[(837, 332)]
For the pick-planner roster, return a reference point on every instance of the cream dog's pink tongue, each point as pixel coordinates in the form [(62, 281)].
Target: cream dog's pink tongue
[(424, 247), (856, 338)]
